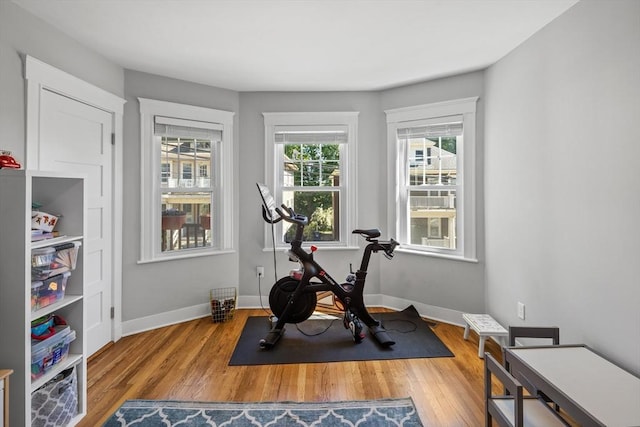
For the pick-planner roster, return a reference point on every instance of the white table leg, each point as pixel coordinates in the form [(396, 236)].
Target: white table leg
[(483, 338), (503, 341), (466, 331)]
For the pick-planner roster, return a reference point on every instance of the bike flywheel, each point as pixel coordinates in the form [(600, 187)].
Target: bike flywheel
[(300, 309)]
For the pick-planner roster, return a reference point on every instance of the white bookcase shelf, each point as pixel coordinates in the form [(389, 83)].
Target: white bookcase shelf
[(54, 241), (58, 194)]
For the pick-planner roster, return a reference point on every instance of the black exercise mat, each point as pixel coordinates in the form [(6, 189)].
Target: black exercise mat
[(413, 336)]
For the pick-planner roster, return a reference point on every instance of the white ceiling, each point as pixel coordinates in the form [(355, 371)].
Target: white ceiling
[(300, 45)]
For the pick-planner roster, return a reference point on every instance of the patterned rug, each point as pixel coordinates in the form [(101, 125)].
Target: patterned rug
[(365, 413)]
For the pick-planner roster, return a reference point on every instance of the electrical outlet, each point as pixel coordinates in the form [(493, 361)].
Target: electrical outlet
[(521, 310), (260, 271)]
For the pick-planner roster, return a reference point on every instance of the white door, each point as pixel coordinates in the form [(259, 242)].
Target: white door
[(77, 137)]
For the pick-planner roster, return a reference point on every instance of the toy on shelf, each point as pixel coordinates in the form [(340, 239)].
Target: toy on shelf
[(7, 160)]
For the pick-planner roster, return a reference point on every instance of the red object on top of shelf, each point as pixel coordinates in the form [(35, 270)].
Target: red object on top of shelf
[(7, 161)]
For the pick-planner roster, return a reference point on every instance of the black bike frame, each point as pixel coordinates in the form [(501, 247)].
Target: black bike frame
[(351, 298)]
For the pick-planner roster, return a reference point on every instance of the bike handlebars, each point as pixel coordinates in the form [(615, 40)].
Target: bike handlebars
[(291, 216), (288, 214), (389, 247), (370, 235)]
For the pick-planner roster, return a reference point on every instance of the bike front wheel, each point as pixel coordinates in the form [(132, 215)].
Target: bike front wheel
[(299, 310)]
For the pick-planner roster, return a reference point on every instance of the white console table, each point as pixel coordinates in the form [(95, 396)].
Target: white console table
[(591, 389)]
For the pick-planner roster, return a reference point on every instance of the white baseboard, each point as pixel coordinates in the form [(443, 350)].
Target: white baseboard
[(173, 317), (440, 314), (433, 312)]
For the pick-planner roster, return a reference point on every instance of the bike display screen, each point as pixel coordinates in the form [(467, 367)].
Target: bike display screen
[(268, 202)]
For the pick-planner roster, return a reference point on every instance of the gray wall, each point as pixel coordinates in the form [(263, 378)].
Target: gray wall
[(154, 288), (562, 179), (454, 285), (436, 282), (22, 33), (371, 178)]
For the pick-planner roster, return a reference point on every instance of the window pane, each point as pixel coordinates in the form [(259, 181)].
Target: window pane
[(311, 165), (431, 160), (322, 208), (165, 172), (433, 218), (186, 220), (186, 162)]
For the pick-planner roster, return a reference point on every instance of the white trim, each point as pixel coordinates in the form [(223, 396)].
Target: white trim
[(466, 173), (41, 76), (117, 215), (186, 255), (348, 181), (436, 109), (440, 314), (149, 185), (155, 321), (187, 123), (435, 255), (147, 323), (253, 301)]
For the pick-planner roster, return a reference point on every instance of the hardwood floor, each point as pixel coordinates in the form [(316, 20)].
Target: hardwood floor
[(189, 361)]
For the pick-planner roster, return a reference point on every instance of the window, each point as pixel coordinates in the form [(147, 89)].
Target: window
[(432, 149), (311, 168), (165, 172), (186, 156), (204, 170)]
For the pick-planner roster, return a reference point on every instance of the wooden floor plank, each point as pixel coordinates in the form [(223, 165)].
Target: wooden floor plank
[(189, 361)]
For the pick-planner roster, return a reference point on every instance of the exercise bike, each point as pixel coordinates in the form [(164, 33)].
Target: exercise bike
[(293, 298)]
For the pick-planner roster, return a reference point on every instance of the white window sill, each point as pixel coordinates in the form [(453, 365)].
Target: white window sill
[(436, 255), (186, 255), (320, 248)]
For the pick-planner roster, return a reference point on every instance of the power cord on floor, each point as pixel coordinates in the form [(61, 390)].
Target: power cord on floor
[(413, 329), (318, 333)]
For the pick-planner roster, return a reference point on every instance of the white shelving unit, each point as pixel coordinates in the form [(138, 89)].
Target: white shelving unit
[(58, 193)]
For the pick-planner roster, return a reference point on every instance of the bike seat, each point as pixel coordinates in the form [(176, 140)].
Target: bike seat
[(371, 233)]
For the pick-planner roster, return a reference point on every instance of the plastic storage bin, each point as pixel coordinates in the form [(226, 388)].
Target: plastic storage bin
[(48, 353), (223, 304), (46, 292), (51, 261), (56, 403)]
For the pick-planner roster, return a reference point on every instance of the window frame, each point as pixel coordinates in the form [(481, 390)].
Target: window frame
[(348, 180), (151, 177), (399, 208)]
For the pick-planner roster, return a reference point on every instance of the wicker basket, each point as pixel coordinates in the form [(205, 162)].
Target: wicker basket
[(223, 304)]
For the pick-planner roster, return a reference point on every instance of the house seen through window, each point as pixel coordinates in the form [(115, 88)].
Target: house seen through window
[(187, 154), (187, 195), (431, 186), (434, 191)]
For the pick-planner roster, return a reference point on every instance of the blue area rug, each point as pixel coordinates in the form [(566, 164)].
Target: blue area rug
[(365, 413)]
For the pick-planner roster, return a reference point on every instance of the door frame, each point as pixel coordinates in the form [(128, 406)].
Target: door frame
[(40, 76)]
